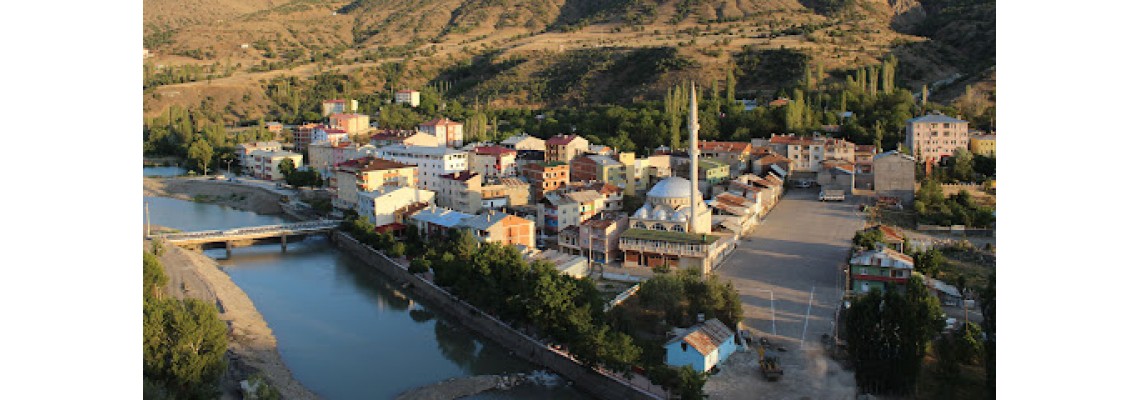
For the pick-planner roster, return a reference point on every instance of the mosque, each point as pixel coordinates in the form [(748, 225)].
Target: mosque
[(674, 227)]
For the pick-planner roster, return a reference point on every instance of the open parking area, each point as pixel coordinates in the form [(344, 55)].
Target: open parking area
[(789, 273)]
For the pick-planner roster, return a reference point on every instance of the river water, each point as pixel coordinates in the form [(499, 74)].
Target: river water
[(343, 329)]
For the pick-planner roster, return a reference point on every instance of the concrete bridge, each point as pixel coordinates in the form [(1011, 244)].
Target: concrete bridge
[(248, 235)]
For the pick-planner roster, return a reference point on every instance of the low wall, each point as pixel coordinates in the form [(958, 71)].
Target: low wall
[(586, 379)]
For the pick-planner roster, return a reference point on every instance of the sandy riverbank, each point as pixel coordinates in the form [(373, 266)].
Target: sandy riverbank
[(252, 345), (241, 197)]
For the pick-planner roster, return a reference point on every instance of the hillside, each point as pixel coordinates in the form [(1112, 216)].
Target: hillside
[(538, 53)]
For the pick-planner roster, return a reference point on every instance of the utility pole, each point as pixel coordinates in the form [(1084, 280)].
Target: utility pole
[(146, 218)]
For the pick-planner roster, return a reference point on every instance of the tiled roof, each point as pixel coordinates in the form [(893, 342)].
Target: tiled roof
[(493, 150), (512, 182), (731, 147), (440, 121), (889, 233), (706, 337), (561, 140), (773, 158), (584, 196)]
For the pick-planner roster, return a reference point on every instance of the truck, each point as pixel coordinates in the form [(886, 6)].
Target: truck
[(831, 195), (769, 366)]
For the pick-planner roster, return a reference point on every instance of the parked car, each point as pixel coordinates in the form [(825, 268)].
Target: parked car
[(803, 183)]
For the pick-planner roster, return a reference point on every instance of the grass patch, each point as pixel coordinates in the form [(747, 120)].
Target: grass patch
[(202, 198)]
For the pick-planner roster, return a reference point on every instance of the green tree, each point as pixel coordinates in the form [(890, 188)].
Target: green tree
[(867, 239), (154, 278), (419, 265), (200, 153), (286, 167), (963, 165), (887, 337)]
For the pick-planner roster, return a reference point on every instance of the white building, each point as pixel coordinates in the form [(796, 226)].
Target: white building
[(265, 163), (324, 156), (446, 131), (380, 206), (245, 151), (409, 97), (430, 161)]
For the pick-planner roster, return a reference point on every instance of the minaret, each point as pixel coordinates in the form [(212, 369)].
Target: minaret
[(694, 193)]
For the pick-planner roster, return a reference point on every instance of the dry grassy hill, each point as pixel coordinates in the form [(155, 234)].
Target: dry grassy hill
[(601, 44)]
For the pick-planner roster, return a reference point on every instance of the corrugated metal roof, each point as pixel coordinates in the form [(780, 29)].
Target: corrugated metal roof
[(935, 118)]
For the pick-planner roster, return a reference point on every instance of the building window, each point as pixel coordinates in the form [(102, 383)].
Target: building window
[(678, 228), (658, 227)]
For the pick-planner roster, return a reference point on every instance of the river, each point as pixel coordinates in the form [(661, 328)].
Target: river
[(343, 329)]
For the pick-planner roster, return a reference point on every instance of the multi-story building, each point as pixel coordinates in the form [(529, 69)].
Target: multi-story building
[(738, 155), (935, 136), (563, 148), (431, 162), (881, 268), (612, 195), (546, 176), (773, 163), (592, 167), (324, 156), (836, 174), (435, 221), (559, 210), (984, 145), (303, 135), (596, 238), (461, 191), (894, 176), (807, 152), (493, 162), (446, 131), (353, 124), (338, 106), (505, 192), (409, 97), (502, 228), (368, 174), (709, 172), (330, 135), (864, 157), (265, 163), (524, 142), (390, 137), (382, 207), (244, 153)]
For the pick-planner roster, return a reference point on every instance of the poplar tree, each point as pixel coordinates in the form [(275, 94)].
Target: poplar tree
[(873, 79), (730, 85)]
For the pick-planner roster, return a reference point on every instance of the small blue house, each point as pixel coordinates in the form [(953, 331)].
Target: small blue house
[(701, 346)]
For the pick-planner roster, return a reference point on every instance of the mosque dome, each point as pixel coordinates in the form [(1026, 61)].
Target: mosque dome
[(671, 187), (642, 213)]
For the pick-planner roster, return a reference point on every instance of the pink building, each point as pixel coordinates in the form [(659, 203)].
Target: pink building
[(934, 136)]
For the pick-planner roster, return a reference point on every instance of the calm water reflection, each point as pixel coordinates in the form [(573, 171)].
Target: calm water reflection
[(345, 330)]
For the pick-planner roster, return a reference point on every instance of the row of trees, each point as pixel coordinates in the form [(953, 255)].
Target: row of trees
[(887, 335), (184, 341), (533, 295)]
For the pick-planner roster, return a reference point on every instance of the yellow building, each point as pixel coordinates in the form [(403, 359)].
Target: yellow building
[(984, 145)]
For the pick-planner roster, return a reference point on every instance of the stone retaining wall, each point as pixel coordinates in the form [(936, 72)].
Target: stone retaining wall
[(586, 379)]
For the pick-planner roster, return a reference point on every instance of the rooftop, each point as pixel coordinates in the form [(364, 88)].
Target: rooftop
[(671, 187), (461, 176), (419, 150), (936, 118), (731, 147), (486, 221), (669, 236), (493, 150), (894, 153), (561, 139), (441, 216), (705, 337), (440, 121), (372, 164)]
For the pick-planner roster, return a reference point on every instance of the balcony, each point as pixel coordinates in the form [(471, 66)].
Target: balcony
[(663, 247)]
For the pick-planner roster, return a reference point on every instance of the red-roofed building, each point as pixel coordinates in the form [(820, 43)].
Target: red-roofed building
[(806, 153), (368, 174), (447, 132), (564, 148), (879, 269)]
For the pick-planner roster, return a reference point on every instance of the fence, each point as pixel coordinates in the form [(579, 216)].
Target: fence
[(600, 383)]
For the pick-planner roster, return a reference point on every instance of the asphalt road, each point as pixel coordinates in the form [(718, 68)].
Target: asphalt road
[(789, 273)]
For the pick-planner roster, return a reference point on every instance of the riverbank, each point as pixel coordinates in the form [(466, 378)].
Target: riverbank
[(237, 196), (252, 346)]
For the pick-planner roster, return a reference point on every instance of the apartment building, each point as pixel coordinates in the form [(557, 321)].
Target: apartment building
[(431, 162), (935, 136)]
